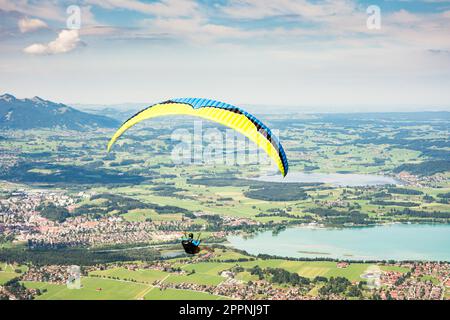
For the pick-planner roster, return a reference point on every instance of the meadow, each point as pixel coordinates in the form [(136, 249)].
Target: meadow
[(141, 170), (119, 283), (8, 272), (92, 289), (175, 294)]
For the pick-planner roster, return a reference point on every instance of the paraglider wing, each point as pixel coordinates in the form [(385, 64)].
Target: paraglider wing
[(220, 112)]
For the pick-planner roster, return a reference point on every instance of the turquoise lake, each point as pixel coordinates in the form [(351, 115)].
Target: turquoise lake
[(392, 241)]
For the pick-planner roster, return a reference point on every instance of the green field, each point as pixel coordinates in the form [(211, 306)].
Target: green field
[(328, 151), (6, 276), (121, 283), (92, 289), (198, 278), (174, 294), (8, 272), (108, 289), (144, 276), (209, 268), (196, 194), (309, 269), (149, 276)]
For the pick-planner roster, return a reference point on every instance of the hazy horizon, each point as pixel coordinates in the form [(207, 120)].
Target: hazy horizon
[(261, 108)]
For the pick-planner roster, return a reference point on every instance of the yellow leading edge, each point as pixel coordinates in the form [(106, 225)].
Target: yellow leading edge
[(236, 121)]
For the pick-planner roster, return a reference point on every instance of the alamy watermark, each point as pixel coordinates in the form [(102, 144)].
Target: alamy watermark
[(74, 278), (373, 21), (73, 21), (212, 146)]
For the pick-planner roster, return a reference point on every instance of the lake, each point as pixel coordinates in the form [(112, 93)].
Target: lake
[(392, 241), (336, 179)]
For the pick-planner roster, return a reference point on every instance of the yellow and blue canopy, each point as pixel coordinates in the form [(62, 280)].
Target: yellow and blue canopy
[(220, 112)]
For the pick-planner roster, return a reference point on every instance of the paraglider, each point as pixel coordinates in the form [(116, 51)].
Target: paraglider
[(191, 245), (220, 112)]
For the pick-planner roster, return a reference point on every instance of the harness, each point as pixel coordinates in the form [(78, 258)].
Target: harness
[(191, 246)]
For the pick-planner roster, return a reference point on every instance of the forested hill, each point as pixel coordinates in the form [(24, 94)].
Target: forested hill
[(39, 113)]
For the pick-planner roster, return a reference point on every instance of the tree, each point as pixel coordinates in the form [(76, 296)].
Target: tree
[(354, 291)]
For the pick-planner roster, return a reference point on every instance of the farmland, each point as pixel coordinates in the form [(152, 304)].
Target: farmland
[(65, 201), (181, 278)]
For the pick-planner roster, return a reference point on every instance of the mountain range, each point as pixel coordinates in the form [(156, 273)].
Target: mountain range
[(39, 113)]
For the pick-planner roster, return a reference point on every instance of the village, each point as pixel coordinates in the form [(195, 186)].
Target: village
[(21, 221), (425, 281)]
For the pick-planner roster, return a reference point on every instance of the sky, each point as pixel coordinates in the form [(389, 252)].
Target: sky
[(308, 55)]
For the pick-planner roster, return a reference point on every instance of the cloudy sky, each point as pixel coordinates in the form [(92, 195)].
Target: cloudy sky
[(309, 54)]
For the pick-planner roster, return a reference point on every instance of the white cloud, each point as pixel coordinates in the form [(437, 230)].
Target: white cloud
[(66, 41), (163, 8), (196, 30), (404, 17), (27, 25), (44, 9), (47, 10), (99, 31), (259, 9)]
